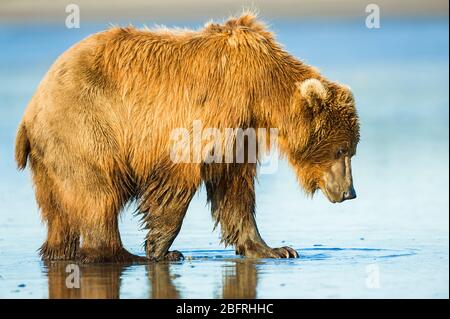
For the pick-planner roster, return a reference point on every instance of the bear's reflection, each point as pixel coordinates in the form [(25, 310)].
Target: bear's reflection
[(240, 279), (103, 281), (68, 280), (161, 281), (80, 281)]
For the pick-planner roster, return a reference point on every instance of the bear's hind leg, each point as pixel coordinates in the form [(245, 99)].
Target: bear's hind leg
[(99, 229), (62, 242), (62, 238)]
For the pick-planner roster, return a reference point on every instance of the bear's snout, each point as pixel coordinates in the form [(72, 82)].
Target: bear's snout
[(349, 194)]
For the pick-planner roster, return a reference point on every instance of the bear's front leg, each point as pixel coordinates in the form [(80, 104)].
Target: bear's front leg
[(232, 198), (164, 211)]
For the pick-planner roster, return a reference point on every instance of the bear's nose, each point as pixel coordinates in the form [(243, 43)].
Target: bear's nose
[(350, 193)]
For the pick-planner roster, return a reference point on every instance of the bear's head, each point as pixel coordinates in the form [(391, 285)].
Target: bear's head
[(326, 133)]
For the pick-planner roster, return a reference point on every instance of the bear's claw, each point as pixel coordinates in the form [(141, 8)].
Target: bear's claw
[(263, 251), (286, 252), (174, 255)]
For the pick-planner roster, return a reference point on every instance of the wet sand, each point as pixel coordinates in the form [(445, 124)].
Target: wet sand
[(219, 274)]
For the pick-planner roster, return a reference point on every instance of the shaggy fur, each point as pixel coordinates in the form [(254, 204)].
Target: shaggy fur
[(96, 133)]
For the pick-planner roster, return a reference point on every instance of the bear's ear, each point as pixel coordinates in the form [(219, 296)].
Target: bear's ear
[(314, 92)]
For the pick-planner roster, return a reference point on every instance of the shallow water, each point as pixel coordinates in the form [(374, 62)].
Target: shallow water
[(392, 241)]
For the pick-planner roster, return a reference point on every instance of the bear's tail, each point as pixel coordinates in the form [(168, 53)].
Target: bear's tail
[(22, 146)]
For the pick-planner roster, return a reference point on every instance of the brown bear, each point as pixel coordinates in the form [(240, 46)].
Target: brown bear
[(96, 135)]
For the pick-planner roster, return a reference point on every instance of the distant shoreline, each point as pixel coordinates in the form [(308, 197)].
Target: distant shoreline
[(201, 10)]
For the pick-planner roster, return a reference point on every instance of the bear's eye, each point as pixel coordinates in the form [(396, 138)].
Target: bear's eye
[(340, 152)]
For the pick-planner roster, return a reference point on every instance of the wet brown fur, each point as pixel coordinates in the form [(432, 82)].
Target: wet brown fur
[(96, 133)]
